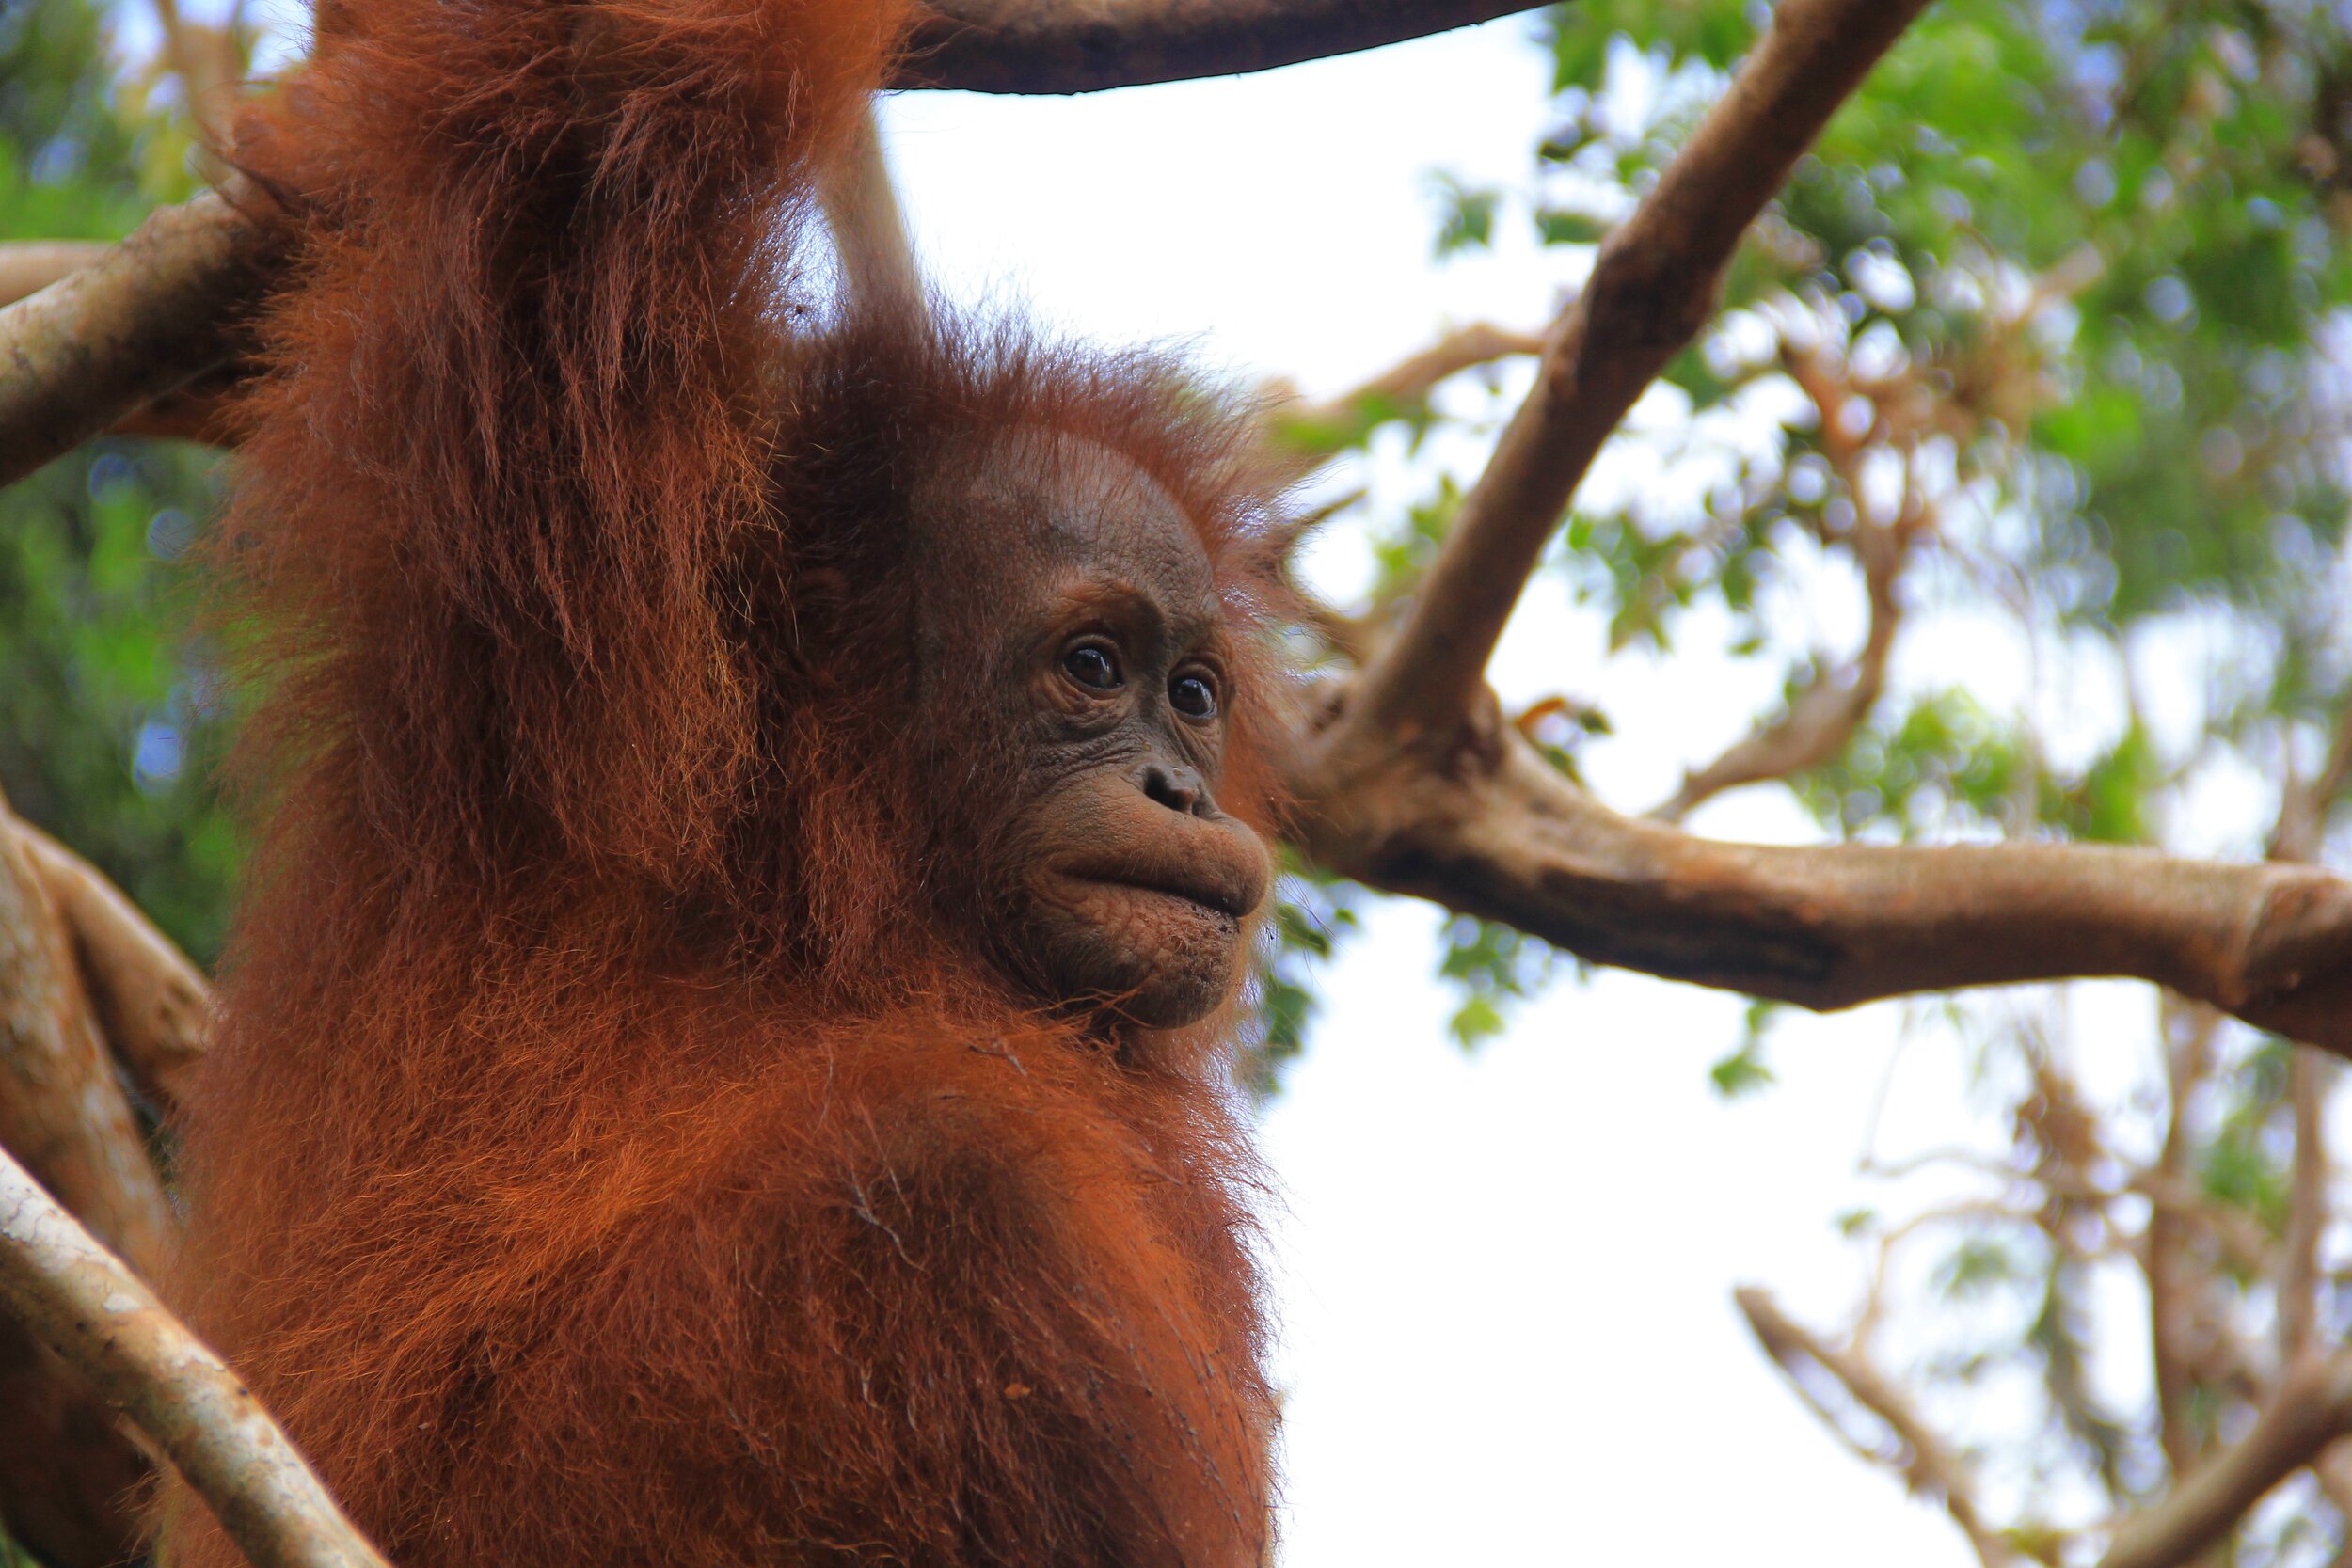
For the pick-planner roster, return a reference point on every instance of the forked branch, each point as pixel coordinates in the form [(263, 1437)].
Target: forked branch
[(1652, 289), (2311, 1409), (66, 1473), (1490, 828)]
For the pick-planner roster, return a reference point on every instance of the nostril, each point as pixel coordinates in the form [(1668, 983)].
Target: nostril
[(1178, 788)]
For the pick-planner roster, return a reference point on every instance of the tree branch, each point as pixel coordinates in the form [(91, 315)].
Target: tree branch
[(193, 412), (1062, 46), (1652, 289), (2188, 1037), (1306, 436), (2307, 1206), (152, 314), (1823, 715), (154, 1004), (29, 266), (869, 229), (62, 1111), (64, 1470), (1821, 720), (95, 1313), (2302, 822), (1488, 827), (1926, 1461), (2311, 1408)]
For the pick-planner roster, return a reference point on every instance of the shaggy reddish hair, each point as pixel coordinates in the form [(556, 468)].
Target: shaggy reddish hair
[(608, 1153)]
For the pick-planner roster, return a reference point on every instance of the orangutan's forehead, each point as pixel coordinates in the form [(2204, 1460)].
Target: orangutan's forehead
[(1048, 504)]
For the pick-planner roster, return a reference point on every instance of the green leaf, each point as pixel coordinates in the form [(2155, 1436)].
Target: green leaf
[(1559, 226)]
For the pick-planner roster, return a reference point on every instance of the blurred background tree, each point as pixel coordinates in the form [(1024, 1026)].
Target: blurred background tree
[(2017, 455), (106, 718)]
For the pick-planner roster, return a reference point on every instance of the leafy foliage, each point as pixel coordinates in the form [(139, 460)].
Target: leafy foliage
[(106, 715)]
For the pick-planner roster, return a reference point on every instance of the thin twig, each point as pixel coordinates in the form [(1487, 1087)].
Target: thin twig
[(1652, 288), (2188, 1033), (1926, 1461), (1306, 436), (1824, 714), (98, 1315), (2308, 1076), (1820, 721)]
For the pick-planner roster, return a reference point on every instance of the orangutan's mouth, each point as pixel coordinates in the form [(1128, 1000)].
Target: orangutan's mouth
[(1208, 893)]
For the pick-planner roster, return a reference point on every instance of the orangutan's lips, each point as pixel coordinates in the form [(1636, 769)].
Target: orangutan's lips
[(1215, 900)]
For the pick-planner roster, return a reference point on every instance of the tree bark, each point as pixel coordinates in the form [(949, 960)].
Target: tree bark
[(68, 1474), (1486, 827), (153, 1004), (97, 1314), (1066, 46), (152, 314)]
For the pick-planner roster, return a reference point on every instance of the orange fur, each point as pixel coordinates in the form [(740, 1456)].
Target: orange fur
[(610, 1154)]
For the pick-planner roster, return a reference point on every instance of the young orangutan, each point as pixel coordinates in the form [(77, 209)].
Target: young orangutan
[(724, 1058)]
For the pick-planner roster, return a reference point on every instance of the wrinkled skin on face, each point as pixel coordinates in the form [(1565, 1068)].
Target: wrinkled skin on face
[(1068, 630)]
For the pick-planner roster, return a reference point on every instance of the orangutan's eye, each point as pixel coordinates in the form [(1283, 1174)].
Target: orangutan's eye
[(1194, 695), (1093, 666)]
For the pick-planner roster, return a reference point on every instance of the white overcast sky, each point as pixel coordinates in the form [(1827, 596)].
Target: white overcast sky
[(1508, 1336)]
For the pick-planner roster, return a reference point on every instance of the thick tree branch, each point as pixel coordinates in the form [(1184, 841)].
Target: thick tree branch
[(94, 1312), (193, 412), (1652, 288), (2310, 1409), (153, 314), (1927, 1462), (29, 266), (154, 1004), (1488, 827), (1059, 47)]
